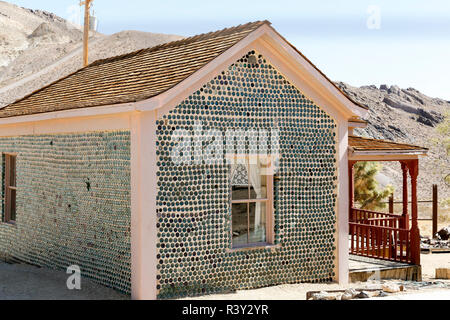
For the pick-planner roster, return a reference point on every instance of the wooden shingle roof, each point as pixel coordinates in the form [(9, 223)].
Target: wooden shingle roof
[(360, 144), (131, 77), (136, 76)]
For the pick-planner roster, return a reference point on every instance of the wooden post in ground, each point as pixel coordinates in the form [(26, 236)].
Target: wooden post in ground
[(442, 273), (391, 203), (435, 210)]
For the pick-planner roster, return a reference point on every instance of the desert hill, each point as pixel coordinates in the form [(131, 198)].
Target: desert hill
[(408, 116), (38, 47), (39, 43)]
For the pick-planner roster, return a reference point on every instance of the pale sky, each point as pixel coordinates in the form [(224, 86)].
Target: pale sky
[(402, 42)]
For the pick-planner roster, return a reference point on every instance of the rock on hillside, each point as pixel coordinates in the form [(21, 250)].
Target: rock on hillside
[(408, 116), (40, 36), (32, 40)]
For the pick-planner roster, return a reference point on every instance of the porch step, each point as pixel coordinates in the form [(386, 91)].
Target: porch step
[(363, 269)]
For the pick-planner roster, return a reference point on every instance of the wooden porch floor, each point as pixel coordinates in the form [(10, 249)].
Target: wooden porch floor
[(364, 268)]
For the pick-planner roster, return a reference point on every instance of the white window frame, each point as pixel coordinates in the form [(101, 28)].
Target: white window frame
[(8, 188), (269, 200)]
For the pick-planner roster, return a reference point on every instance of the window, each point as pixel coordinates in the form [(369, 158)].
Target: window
[(10, 188), (251, 201)]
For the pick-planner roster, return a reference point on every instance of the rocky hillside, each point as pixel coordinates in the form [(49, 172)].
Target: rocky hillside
[(406, 115), (38, 47), (25, 33), (33, 40)]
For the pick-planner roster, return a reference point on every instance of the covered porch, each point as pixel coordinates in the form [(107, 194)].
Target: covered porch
[(385, 241)]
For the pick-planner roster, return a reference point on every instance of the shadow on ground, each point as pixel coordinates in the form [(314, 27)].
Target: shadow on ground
[(25, 282)]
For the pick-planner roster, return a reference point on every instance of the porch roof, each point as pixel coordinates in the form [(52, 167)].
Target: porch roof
[(366, 146)]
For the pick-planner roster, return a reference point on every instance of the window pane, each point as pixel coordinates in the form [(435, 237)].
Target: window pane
[(13, 205), (240, 224), (239, 182), (12, 164), (239, 192), (258, 179), (257, 222)]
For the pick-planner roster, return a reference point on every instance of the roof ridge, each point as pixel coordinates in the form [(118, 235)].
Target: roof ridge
[(180, 42)]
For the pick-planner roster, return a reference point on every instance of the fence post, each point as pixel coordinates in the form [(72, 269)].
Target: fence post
[(391, 203), (435, 210)]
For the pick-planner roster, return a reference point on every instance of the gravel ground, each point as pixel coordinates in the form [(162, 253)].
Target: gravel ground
[(298, 291), (426, 294), (281, 292), (24, 282), (19, 281)]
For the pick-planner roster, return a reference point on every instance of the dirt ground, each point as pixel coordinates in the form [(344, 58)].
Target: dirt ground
[(18, 281), (432, 261), (298, 291), (24, 282), (426, 294)]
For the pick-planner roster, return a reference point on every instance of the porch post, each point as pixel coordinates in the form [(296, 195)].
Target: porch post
[(351, 184), (405, 195), (415, 234)]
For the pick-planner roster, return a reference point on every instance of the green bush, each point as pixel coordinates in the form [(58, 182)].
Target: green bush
[(367, 192)]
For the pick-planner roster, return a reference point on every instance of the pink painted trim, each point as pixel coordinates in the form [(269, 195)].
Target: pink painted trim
[(143, 206)]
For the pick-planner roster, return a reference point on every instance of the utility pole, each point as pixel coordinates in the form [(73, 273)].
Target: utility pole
[(87, 7)]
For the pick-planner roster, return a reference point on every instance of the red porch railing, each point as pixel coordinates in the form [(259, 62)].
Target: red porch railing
[(376, 218), (379, 235), (384, 235)]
